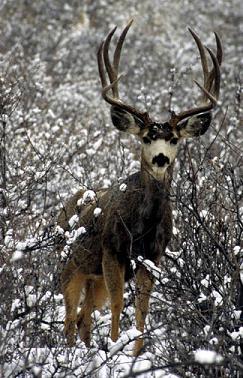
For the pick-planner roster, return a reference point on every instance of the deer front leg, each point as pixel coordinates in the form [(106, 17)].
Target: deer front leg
[(144, 285), (114, 279)]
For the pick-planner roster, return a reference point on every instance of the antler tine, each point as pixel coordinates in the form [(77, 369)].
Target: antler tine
[(105, 65), (109, 68), (101, 69), (216, 71), (117, 53), (219, 55), (215, 75), (203, 57), (112, 70)]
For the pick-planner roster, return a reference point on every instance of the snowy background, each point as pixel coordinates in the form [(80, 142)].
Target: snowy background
[(56, 136)]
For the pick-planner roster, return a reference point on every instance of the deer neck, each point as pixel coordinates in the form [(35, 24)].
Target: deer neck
[(156, 186)]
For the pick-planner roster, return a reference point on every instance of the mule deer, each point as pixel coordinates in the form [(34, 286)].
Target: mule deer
[(136, 220)]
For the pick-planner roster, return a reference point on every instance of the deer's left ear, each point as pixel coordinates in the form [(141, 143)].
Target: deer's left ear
[(195, 125)]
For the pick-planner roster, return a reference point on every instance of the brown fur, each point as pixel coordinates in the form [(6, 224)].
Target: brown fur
[(101, 260)]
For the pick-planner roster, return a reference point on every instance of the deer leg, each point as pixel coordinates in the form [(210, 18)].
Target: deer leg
[(114, 274), (84, 317), (95, 297), (71, 288), (144, 285)]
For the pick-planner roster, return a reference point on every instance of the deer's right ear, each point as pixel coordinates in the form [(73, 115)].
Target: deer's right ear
[(124, 121)]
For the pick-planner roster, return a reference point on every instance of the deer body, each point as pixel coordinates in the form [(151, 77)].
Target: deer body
[(135, 221), (141, 232)]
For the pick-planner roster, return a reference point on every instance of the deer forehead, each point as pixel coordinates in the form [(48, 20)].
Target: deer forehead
[(159, 152)]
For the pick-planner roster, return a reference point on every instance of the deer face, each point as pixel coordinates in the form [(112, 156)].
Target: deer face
[(159, 140)]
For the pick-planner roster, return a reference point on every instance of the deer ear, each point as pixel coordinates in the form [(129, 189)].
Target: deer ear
[(124, 121), (194, 126)]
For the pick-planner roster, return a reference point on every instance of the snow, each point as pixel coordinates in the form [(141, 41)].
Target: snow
[(124, 340), (97, 212), (123, 187), (207, 356), (150, 265), (236, 250), (74, 235), (237, 335), (88, 197), (205, 282), (59, 230), (17, 255), (206, 329), (73, 221), (218, 300)]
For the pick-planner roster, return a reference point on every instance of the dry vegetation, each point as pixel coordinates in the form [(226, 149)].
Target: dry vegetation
[(56, 136)]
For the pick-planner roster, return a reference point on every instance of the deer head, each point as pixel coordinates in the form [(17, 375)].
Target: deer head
[(159, 139)]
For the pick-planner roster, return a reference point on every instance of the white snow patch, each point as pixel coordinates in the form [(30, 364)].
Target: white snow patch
[(218, 300), (204, 214), (21, 246), (236, 335), (8, 240), (73, 220), (133, 263), (124, 339), (202, 298), (97, 211), (151, 267), (17, 255), (205, 281), (206, 329), (106, 183), (236, 250), (204, 356), (89, 196), (59, 230), (15, 304), (175, 231), (237, 314), (36, 370), (72, 236), (123, 187)]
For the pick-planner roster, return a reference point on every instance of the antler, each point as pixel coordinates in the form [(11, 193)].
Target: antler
[(210, 87), (211, 84), (105, 66)]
